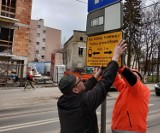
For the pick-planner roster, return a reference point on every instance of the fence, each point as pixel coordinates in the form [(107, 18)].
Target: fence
[(42, 67), (10, 73)]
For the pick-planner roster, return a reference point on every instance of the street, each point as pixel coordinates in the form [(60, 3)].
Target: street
[(43, 118), (43, 40)]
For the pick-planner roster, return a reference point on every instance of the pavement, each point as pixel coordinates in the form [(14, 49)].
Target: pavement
[(12, 97)]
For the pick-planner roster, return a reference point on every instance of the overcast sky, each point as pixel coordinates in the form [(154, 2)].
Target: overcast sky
[(65, 15)]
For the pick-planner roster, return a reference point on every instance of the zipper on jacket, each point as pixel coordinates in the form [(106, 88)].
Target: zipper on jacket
[(129, 119)]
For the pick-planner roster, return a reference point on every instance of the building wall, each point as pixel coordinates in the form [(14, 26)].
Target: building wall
[(58, 59), (53, 42), (41, 37), (72, 59), (44, 40), (21, 35), (17, 20), (33, 40)]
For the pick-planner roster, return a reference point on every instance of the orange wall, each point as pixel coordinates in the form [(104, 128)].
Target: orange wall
[(53, 42), (22, 35)]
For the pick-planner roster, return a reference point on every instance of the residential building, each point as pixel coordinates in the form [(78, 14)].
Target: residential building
[(75, 51), (14, 36), (44, 40)]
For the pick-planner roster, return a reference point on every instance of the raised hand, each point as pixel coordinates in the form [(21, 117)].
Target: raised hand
[(119, 50)]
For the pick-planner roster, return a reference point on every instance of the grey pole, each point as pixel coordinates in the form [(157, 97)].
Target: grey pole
[(103, 117)]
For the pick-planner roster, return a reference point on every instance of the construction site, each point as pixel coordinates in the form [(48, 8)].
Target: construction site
[(14, 39)]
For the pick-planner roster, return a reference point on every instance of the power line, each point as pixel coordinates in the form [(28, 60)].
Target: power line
[(151, 5), (82, 1)]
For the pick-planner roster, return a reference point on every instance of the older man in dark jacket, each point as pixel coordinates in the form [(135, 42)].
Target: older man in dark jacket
[(77, 106)]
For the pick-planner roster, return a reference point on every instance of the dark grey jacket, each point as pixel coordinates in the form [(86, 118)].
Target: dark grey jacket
[(77, 112)]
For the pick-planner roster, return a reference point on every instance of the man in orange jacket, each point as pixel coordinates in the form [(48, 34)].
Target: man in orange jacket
[(131, 107)]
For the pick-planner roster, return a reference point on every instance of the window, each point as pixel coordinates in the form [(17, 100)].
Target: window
[(100, 21), (97, 21), (94, 22), (37, 51), (42, 56), (37, 43), (81, 38), (38, 26), (43, 48), (44, 40), (44, 31), (38, 34), (80, 51), (6, 40), (8, 8)]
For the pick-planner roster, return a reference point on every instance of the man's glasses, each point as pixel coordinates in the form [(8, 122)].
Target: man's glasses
[(77, 82)]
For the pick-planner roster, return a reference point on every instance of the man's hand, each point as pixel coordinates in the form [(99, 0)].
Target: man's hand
[(119, 50), (98, 73)]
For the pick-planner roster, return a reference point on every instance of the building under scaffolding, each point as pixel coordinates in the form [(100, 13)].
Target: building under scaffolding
[(15, 17)]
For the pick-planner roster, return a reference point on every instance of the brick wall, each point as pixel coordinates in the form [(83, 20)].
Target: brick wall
[(22, 35)]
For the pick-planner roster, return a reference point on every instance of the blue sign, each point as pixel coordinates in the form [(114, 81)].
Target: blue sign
[(96, 4)]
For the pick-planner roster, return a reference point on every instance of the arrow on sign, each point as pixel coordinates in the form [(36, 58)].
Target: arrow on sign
[(108, 52), (96, 53)]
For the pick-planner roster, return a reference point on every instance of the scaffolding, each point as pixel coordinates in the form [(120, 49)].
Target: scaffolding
[(11, 71)]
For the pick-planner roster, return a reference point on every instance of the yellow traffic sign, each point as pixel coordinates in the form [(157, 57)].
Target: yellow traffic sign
[(100, 49)]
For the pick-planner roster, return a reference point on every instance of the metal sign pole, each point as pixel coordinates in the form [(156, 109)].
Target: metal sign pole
[(98, 53), (103, 117)]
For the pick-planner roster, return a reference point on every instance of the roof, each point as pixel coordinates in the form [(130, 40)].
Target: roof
[(73, 35)]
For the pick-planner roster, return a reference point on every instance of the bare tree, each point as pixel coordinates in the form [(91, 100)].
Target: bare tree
[(158, 39), (150, 35)]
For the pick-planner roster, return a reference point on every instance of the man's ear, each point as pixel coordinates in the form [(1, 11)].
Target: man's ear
[(75, 90)]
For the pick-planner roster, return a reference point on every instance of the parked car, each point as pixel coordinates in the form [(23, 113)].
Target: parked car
[(157, 89), (154, 73)]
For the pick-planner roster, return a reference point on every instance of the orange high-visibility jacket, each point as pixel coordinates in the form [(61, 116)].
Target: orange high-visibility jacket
[(131, 107)]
